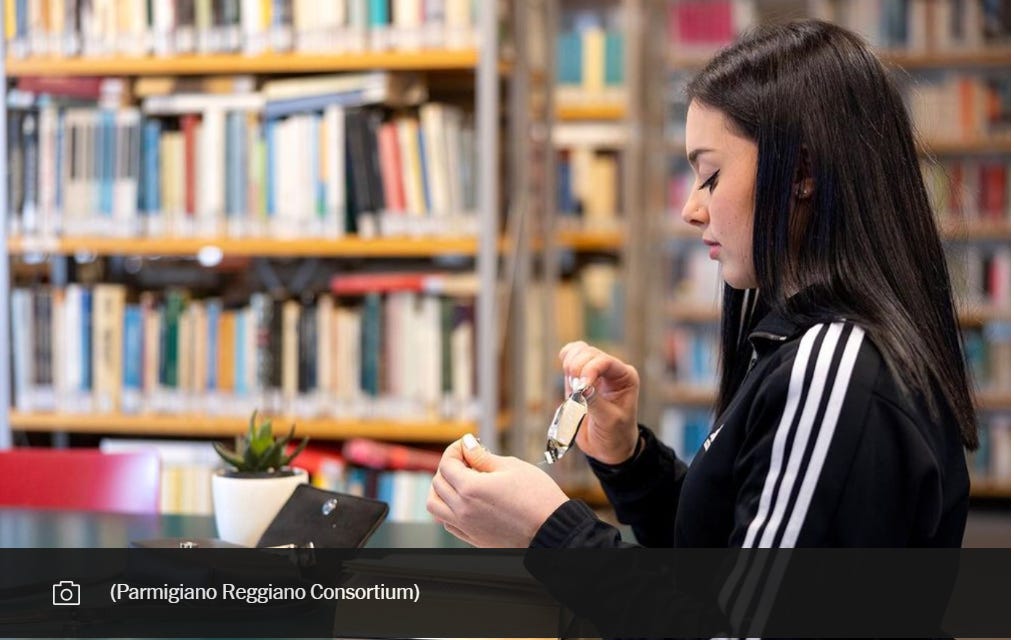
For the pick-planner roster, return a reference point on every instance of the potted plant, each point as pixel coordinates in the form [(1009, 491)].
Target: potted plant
[(247, 496)]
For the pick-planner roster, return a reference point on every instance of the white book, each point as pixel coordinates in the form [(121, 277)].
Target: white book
[(253, 24), (126, 171), (431, 117), (72, 362), (325, 344), (182, 103), (334, 154), (210, 214), (462, 363), (407, 16), (411, 170), (47, 149), (163, 22), (22, 345), (356, 29), (452, 142), (431, 365), (459, 26)]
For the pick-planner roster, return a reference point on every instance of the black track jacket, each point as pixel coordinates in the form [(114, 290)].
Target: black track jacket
[(818, 448)]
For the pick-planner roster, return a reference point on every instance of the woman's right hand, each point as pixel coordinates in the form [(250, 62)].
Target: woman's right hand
[(609, 433)]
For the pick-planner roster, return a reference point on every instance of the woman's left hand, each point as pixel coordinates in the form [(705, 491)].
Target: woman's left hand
[(489, 500)]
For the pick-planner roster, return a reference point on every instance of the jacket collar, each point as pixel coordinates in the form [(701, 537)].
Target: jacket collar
[(774, 328)]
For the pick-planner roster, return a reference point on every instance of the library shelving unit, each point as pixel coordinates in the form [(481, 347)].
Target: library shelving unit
[(483, 63), (690, 312)]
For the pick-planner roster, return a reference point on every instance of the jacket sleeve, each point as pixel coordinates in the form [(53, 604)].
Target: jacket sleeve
[(644, 492), (831, 455)]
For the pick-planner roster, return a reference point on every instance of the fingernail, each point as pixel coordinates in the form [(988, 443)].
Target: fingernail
[(469, 441)]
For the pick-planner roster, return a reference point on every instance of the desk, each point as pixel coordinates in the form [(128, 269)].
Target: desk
[(44, 528)]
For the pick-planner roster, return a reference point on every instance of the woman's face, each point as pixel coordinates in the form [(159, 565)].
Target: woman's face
[(721, 202)]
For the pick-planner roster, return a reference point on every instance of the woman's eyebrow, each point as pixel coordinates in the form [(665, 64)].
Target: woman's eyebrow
[(693, 155)]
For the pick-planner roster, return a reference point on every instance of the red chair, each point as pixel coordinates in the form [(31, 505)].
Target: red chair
[(82, 479)]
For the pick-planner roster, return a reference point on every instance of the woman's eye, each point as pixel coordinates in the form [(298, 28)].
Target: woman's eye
[(710, 183)]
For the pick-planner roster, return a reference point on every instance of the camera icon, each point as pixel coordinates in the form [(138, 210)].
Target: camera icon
[(66, 593)]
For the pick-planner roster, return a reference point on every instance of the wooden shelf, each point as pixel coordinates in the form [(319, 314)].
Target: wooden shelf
[(992, 400), (403, 247), (591, 111), (992, 57), (680, 312), (269, 63), (590, 241), (975, 316), (199, 425), (677, 393), (974, 229), (997, 144), (992, 489)]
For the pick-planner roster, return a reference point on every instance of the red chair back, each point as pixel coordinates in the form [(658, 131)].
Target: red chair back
[(83, 479)]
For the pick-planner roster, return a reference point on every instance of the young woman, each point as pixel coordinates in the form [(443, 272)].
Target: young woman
[(844, 407)]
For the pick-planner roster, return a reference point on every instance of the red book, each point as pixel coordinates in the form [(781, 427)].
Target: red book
[(390, 167), (188, 124), (993, 191), (382, 455), (85, 87), (362, 283)]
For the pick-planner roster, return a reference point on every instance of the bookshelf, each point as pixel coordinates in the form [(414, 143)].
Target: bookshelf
[(474, 70), (966, 145), (274, 63), (201, 425)]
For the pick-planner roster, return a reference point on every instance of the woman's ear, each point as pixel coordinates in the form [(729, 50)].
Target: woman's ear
[(803, 186), (803, 189)]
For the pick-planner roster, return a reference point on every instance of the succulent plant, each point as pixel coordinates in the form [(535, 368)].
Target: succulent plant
[(259, 450)]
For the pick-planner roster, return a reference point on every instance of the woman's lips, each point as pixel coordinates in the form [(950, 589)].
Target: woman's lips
[(713, 248)]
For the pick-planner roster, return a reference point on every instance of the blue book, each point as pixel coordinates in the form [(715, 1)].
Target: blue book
[(379, 13), (424, 169), (149, 158), (213, 310), (614, 59), (107, 160), (310, 104), (86, 339), (318, 184), (385, 489), (239, 379), (568, 58), (269, 173), (371, 344), (58, 163), (133, 346)]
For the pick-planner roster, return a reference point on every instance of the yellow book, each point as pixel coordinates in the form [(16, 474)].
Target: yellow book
[(227, 351), (593, 60)]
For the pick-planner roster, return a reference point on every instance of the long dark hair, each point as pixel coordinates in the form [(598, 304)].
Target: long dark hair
[(864, 247)]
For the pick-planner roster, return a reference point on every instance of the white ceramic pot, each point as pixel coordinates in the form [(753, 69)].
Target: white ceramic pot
[(245, 505)]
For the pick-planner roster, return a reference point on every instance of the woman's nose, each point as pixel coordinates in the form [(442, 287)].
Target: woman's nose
[(694, 212)]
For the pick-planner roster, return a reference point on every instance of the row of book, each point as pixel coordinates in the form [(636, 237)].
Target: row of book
[(690, 353), (233, 164), (395, 474), (398, 354), (952, 106), (588, 186), (172, 27), (589, 65), (693, 279), (684, 430), (987, 355), (968, 189), (980, 275), (907, 25), (990, 463)]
